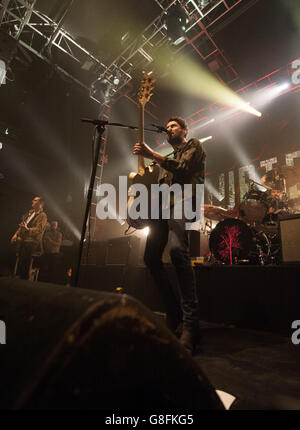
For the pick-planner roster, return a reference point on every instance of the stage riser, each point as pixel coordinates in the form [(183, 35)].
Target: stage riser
[(255, 297)]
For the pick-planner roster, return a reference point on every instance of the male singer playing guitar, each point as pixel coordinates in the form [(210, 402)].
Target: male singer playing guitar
[(29, 235), (187, 167)]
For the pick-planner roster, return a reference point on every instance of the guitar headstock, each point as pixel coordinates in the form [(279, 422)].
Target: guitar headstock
[(147, 85)]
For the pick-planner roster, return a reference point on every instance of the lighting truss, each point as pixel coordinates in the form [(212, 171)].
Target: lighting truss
[(43, 37), (141, 52)]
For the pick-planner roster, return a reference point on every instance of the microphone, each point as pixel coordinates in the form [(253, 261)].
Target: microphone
[(160, 128), (94, 121)]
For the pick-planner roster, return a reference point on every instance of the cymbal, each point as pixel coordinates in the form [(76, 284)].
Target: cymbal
[(215, 213)]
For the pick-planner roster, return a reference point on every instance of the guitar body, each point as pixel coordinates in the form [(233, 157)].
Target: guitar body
[(145, 175)]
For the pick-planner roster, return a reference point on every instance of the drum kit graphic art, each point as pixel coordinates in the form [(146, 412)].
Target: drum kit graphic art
[(250, 233)]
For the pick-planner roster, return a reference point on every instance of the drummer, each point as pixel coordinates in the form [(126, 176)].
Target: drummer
[(274, 181)]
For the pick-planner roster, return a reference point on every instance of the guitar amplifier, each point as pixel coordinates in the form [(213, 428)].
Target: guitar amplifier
[(290, 238), (122, 251)]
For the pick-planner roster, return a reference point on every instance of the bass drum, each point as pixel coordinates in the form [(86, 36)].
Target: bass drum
[(234, 242)]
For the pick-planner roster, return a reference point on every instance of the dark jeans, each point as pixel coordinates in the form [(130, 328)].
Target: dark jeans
[(25, 251), (173, 232)]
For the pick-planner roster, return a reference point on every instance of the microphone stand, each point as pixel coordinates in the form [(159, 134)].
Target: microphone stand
[(100, 128)]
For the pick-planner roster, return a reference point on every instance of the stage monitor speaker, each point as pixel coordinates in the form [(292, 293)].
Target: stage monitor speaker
[(72, 348), (290, 238)]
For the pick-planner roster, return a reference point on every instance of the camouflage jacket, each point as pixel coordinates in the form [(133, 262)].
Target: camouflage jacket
[(187, 166)]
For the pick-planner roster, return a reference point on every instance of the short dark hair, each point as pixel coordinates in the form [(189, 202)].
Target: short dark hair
[(182, 122)]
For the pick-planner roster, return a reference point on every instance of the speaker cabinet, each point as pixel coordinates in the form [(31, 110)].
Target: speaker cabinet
[(122, 251), (290, 239), (199, 244)]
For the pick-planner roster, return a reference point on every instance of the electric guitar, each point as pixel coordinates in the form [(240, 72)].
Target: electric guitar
[(146, 175)]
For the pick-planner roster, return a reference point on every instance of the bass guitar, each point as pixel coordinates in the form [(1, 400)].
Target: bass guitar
[(145, 175)]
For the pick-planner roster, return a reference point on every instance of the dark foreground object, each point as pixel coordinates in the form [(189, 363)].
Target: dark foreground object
[(80, 349)]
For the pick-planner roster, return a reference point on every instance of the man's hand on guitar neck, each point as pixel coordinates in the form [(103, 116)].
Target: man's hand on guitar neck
[(144, 150)]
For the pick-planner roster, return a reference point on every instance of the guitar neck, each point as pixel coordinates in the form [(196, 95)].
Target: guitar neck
[(141, 137)]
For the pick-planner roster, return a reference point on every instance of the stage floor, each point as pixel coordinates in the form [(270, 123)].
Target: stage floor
[(246, 315), (260, 369)]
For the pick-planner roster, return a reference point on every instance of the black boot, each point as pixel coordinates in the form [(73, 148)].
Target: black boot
[(190, 339), (174, 320)]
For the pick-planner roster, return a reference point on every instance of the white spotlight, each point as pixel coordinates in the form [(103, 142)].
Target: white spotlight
[(213, 191), (283, 87), (205, 139), (121, 221), (146, 231)]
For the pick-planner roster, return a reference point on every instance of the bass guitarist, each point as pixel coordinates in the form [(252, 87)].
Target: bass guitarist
[(187, 166)]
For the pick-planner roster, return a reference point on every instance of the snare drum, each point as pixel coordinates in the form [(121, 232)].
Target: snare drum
[(254, 206)]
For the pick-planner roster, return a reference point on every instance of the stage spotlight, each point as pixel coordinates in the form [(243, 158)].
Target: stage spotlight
[(116, 80), (176, 22), (1, 146), (102, 89), (211, 189), (2, 72), (283, 87), (205, 139), (203, 3), (121, 221), (146, 231)]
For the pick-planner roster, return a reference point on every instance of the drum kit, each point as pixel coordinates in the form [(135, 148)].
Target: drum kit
[(249, 233)]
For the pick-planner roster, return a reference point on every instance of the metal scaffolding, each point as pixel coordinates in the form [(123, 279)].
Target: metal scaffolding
[(141, 52), (43, 37)]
